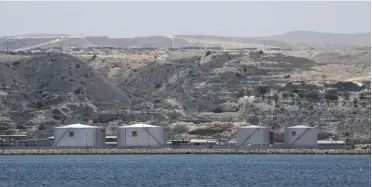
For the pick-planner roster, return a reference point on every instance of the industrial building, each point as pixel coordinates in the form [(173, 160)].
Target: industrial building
[(10, 140), (140, 135), (300, 136), (78, 135), (254, 135)]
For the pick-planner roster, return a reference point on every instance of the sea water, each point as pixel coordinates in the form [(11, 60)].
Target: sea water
[(186, 170)]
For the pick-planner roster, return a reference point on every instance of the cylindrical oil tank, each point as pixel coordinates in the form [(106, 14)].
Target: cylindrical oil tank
[(140, 135), (300, 136), (272, 138), (255, 135), (79, 135)]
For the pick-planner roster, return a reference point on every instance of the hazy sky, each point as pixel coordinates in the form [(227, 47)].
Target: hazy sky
[(128, 19)]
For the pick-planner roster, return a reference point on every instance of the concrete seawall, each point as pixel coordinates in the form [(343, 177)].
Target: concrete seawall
[(180, 151)]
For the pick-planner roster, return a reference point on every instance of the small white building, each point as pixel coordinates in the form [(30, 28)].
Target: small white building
[(78, 135), (300, 136), (140, 135), (254, 135)]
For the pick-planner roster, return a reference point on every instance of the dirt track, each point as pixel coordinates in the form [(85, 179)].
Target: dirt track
[(360, 78)]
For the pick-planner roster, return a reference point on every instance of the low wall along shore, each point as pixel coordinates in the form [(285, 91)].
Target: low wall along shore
[(179, 151)]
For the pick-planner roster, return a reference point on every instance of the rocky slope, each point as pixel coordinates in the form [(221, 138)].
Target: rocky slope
[(41, 91), (211, 95), (198, 94)]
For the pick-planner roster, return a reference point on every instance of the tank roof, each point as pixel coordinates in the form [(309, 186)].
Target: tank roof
[(77, 126), (300, 126), (253, 126), (138, 125)]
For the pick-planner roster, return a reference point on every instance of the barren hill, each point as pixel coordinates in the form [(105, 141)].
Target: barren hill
[(230, 88), (39, 92), (199, 93), (296, 39), (324, 40)]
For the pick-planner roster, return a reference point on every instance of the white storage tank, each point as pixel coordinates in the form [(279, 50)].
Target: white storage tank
[(255, 135), (78, 135), (300, 136), (140, 135)]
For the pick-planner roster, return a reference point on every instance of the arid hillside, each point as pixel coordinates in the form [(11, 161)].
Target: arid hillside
[(195, 93), (293, 40), (41, 91), (229, 88)]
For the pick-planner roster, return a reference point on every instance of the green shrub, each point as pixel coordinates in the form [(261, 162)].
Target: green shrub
[(312, 95), (240, 94), (346, 95), (362, 95), (21, 127), (262, 90), (331, 94), (158, 85), (217, 110)]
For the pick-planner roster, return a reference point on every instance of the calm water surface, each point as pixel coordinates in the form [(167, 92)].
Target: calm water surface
[(186, 170)]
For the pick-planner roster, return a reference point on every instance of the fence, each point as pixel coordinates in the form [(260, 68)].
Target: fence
[(48, 144)]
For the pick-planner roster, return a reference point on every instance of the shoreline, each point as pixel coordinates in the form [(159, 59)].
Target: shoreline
[(8, 152)]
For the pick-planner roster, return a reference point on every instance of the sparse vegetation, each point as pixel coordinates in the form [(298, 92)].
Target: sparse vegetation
[(158, 85), (42, 127), (312, 95), (79, 91), (331, 94), (21, 127), (157, 101), (240, 94), (362, 96), (217, 110), (193, 92), (346, 95)]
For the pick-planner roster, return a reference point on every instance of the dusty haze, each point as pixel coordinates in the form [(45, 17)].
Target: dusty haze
[(129, 19)]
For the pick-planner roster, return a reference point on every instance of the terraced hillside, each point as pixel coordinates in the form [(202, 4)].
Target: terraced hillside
[(201, 93), (230, 88)]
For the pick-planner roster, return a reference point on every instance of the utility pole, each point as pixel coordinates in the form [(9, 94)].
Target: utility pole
[(171, 41), (61, 50), (7, 44)]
